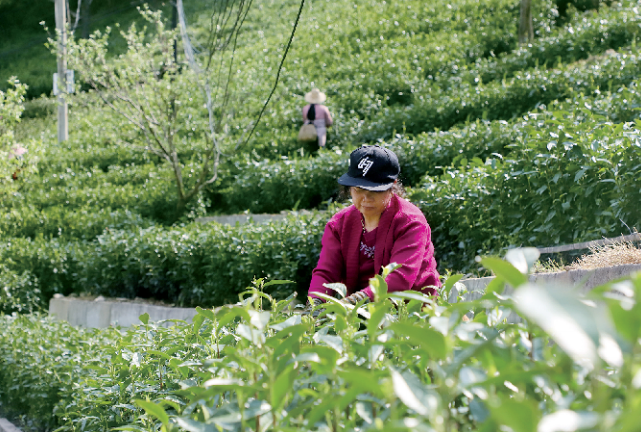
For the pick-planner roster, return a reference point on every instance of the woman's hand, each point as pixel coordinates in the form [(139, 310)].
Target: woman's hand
[(353, 299)]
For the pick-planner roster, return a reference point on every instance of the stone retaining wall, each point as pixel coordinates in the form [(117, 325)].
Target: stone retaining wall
[(105, 313), (249, 218), (7, 426), (587, 279), (102, 313)]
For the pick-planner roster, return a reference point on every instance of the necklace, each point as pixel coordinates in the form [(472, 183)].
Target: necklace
[(363, 223)]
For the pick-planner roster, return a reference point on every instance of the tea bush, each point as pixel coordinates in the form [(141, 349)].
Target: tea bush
[(190, 265), (84, 223), (269, 186), (18, 292), (259, 366), (561, 181), (49, 261), (442, 109)]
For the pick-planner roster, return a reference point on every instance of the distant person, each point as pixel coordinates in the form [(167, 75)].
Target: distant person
[(380, 228), (317, 114), (17, 153)]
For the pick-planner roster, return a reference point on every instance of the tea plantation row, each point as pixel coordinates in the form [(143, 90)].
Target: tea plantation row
[(560, 181), (421, 367), (190, 265), (555, 177), (389, 91)]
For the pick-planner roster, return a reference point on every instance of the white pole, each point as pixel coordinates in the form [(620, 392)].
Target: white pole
[(61, 25)]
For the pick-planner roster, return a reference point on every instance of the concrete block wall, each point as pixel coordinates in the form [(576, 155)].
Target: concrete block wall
[(586, 279), (103, 313), (250, 218), (7, 426)]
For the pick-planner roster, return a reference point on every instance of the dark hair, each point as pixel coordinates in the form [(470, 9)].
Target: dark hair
[(397, 189)]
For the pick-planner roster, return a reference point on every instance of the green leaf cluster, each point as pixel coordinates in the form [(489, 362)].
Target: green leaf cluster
[(424, 364)]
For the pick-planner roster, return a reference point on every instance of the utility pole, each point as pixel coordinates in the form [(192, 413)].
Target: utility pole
[(63, 112)]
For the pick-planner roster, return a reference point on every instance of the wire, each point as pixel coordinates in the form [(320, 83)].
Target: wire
[(300, 11)]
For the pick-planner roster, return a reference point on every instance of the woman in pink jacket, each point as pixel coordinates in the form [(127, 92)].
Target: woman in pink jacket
[(318, 114), (380, 227)]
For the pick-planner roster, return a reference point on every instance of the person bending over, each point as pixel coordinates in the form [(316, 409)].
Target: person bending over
[(381, 227)]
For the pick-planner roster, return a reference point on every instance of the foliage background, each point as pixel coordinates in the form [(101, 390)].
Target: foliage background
[(501, 145)]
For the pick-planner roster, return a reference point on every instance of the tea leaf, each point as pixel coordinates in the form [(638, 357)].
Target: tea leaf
[(153, 410)]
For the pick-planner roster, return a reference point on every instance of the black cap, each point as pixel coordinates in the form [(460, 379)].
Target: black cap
[(372, 168)]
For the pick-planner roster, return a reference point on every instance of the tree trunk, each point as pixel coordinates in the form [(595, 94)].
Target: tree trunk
[(85, 17), (174, 24), (526, 29)]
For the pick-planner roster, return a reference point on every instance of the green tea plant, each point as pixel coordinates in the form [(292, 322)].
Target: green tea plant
[(426, 364), (18, 292), (561, 181), (191, 265)]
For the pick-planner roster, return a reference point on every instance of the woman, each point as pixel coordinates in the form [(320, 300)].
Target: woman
[(379, 228), (318, 114)]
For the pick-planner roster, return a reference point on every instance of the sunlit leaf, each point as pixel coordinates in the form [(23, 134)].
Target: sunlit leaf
[(568, 421), (430, 340), (340, 288), (562, 315), (409, 389), (504, 270), (522, 258), (153, 410), (277, 282), (378, 287)]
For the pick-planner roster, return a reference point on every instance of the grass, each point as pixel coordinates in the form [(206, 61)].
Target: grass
[(608, 256), (616, 254)]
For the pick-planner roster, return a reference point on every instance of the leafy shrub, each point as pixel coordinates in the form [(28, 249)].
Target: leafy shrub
[(18, 292), (442, 109), (84, 223), (51, 262), (270, 187), (200, 264), (191, 265), (242, 367), (561, 182)]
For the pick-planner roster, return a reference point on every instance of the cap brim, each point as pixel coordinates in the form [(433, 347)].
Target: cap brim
[(347, 180)]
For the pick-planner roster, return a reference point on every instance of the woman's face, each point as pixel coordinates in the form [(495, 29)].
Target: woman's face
[(370, 203)]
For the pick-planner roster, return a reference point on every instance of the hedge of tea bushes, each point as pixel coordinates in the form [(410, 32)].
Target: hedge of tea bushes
[(272, 186), (560, 183), (442, 109), (380, 62), (84, 223), (19, 292), (258, 366), (193, 264), (264, 186), (373, 97), (587, 36)]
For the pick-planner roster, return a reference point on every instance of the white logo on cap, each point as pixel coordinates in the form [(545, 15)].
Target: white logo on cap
[(365, 164)]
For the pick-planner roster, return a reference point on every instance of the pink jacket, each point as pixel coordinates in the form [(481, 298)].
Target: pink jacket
[(403, 237), (321, 113)]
